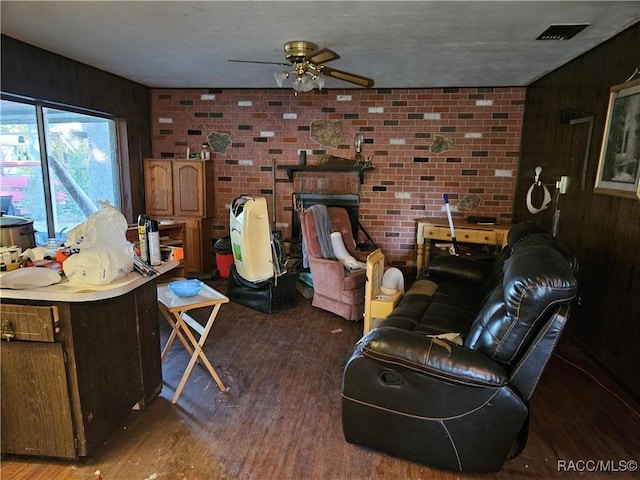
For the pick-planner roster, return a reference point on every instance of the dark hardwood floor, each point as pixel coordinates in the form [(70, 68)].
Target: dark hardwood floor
[(281, 416)]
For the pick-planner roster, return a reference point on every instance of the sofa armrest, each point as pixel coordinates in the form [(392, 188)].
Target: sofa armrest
[(458, 268), (433, 357)]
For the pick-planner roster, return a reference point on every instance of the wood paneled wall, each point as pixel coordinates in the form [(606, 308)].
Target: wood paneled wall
[(39, 74), (603, 231)]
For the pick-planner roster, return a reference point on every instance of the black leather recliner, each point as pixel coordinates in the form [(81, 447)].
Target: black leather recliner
[(461, 407)]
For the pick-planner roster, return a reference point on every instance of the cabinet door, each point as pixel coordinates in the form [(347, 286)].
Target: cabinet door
[(188, 188), (193, 245), (158, 187), (36, 410), (197, 245)]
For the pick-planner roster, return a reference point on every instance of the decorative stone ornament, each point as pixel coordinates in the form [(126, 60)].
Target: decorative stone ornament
[(441, 144), (219, 142), (470, 202), (326, 133)]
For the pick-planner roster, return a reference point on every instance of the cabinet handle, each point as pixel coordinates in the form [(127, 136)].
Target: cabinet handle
[(7, 331)]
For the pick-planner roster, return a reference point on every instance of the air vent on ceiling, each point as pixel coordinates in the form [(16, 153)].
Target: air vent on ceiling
[(562, 31)]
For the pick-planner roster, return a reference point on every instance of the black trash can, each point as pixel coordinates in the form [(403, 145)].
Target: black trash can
[(224, 255)]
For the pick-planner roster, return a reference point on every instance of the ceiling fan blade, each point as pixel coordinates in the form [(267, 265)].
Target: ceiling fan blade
[(258, 61), (324, 55), (347, 77)]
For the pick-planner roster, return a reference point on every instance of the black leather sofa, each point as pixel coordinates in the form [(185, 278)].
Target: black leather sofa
[(413, 393)]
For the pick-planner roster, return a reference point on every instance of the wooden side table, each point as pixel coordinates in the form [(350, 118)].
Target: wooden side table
[(175, 310), (438, 229)]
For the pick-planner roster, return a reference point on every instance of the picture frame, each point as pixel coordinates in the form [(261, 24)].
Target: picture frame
[(619, 163)]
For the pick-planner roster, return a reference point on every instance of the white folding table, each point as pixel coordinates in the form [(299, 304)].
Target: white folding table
[(175, 310)]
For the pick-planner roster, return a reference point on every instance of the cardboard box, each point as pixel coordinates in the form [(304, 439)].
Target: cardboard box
[(170, 253)]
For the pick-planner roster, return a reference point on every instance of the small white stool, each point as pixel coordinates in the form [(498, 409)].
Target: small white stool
[(175, 309)]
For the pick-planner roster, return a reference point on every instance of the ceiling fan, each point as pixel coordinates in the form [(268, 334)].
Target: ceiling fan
[(307, 67)]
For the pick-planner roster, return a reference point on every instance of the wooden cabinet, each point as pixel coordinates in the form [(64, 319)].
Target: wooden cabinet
[(171, 235), (73, 371), (178, 188), (182, 190), (197, 240), (33, 369), (158, 187), (36, 405)]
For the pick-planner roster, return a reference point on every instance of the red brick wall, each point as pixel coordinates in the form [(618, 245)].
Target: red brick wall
[(399, 127)]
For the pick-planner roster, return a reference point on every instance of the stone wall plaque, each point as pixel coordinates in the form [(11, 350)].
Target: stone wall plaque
[(326, 133), (470, 202), (219, 142), (441, 144)]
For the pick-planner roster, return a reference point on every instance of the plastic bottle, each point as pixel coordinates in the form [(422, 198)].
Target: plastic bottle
[(50, 248), (142, 237), (205, 154), (153, 233)]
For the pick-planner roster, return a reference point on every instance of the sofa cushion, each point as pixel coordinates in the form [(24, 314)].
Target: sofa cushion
[(408, 312), (457, 268), (445, 318), (431, 315), (535, 280), (519, 231), (471, 273), (544, 238)]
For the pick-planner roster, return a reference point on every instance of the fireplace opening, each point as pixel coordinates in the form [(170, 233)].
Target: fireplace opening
[(350, 202)]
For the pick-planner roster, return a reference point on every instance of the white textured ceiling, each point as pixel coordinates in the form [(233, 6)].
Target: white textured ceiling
[(399, 44)]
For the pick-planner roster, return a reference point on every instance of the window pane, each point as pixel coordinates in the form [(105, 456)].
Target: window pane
[(21, 186), (82, 164), (81, 159)]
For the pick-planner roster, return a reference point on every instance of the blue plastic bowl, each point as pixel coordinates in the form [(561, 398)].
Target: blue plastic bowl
[(186, 288)]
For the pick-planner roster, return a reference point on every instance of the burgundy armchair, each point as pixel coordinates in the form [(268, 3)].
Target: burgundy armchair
[(335, 289)]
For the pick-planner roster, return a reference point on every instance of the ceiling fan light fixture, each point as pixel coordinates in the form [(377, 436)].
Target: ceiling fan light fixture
[(306, 68), (304, 77), (280, 77), (299, 49), (299, 85), (304, 83)]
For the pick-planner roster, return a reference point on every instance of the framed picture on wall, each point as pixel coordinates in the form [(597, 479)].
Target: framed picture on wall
[(619, 165)]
